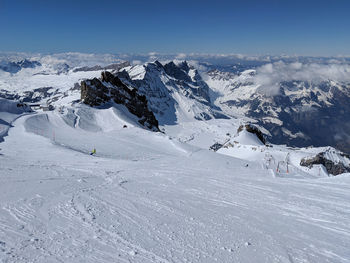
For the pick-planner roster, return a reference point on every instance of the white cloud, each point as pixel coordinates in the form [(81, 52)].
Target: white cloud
[(152, 53), (181, 56), (136, 62), (269, 76), (75, 59), (199, 66)]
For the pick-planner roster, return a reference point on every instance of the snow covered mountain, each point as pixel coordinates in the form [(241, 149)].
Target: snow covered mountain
[(50, 78), (290, 109), (209, 188), (176, 92), (296, 112), (292, 106)]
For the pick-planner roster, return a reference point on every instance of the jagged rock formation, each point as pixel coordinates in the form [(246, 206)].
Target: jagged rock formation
[(174, 91), (96, 92), (253, 129), (334, 166)]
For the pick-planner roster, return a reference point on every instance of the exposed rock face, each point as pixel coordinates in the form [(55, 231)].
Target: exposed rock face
[(332, 167), (179, 72), (253, 129), (96, 92), (195, 84), (173, 90)]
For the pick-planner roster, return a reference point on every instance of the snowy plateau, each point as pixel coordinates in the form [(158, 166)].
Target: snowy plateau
[(227, 175)]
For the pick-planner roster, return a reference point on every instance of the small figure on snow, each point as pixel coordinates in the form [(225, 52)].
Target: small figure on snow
[(93, 152)]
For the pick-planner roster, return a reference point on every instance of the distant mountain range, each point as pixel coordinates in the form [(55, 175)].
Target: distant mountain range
[(300, 113), (300, 101)]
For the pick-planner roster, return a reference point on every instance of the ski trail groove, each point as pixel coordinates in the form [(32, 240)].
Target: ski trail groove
[(77, 118)]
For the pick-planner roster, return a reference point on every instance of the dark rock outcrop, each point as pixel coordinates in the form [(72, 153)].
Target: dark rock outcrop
[(216, 146), (95, 92), (332, 167), (253, 129), (178, 72)]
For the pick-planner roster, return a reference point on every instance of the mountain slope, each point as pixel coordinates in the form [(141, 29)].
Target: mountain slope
[(291, 98), (159, 197), (9, 112), (176, 93), (134, 202), (291, 110)]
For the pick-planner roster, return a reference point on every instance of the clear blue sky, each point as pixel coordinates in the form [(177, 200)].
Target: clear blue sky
[(248, 27)]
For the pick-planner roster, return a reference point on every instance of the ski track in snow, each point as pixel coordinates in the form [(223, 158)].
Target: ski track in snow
[(77, 119), (185, 205)]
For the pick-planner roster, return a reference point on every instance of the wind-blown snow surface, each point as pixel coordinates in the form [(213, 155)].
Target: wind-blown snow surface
[(9, 112), (148, 198)]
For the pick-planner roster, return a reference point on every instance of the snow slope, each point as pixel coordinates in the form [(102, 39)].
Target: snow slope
[(147, 197), (33, 79), (9, 111)]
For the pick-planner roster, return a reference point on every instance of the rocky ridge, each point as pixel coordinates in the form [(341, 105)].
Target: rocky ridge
[(335, 162), (97, 92)]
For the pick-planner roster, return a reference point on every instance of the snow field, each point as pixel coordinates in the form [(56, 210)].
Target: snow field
[(147, 197)]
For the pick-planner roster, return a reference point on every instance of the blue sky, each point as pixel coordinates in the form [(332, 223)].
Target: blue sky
[(247, 27)]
